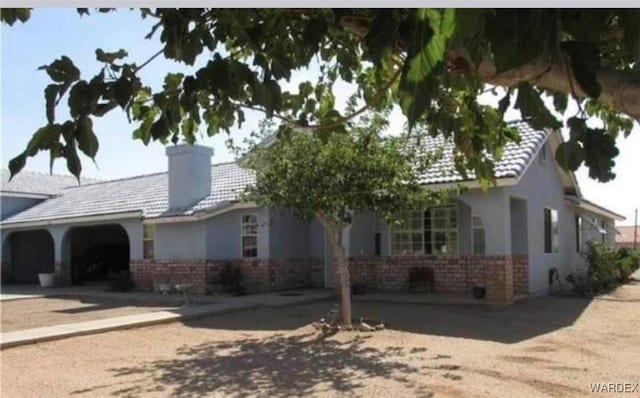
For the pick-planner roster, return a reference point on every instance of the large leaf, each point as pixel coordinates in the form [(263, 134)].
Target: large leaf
[(16, 164), (50, 95), (570, 155), (73, 160), (62, 70), (87, 140), (432, 30)]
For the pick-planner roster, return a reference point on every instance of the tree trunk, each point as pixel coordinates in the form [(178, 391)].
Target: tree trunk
[(334, 233)]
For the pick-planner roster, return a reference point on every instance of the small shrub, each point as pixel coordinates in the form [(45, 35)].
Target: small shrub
[(603, 267), (231, 279)]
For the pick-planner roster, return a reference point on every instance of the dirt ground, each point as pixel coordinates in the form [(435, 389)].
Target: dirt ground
[(39, 312), (537, 348)]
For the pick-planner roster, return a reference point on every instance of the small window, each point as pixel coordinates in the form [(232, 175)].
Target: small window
[(377, 237), (249, 236), (477, 235), (578, 233), (148, 236), (551, 231), (603, 232)]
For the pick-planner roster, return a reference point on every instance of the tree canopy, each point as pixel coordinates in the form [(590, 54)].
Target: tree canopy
[(433, 63), (332, 178)]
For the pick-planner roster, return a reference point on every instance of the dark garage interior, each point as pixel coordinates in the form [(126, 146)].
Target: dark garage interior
[(32, 252), (98, 253)]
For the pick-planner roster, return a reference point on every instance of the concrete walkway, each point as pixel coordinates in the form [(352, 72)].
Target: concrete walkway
[(219, 305)]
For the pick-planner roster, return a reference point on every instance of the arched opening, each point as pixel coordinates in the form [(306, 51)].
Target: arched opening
[(28, 254), (96, 253)]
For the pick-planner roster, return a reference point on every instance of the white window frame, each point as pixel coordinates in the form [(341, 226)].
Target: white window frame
[(148, 229), (244, 235), (410, 230), (555, 232)]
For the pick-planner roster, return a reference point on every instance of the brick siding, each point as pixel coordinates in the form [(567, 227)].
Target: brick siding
[(260, 276), (520, 275), (452, 274)]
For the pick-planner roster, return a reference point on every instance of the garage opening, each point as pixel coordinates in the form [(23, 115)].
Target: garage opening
[(30, 253), (98, 253)]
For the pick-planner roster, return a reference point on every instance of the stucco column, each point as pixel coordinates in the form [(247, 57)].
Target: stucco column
[(61, 253)]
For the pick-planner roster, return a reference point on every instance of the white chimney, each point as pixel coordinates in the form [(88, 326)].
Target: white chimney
[(189, 174)]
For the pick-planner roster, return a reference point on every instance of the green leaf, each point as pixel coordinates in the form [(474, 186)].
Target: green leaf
[(122, 91), (570, 155), (585, 62), (50, 95), (87, 140), (16, 164), (62, 70), (426, 51), (11, 15), (43, 139), (73, 160), (110, 57)]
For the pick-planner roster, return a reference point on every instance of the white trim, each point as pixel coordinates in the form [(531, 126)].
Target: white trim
[(201, 215), (73, 220), (582, 205), (242, 235), (26, 195), (500, 182)]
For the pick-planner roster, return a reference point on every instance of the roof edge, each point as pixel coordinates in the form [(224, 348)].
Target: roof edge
[(72, 220), (593, 208)]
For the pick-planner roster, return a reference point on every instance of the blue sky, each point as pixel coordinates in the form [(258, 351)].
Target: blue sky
[(54, 32)]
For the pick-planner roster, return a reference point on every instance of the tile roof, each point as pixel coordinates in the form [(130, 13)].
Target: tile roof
[(28, 182), (513, 163), (148, 194)]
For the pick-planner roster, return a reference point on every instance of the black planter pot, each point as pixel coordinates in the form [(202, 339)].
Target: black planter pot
[(479, 292)]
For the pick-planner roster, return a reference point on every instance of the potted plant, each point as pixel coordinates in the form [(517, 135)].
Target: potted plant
[(47, 279)]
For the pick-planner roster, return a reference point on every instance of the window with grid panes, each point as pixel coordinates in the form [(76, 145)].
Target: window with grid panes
[(249, 236)]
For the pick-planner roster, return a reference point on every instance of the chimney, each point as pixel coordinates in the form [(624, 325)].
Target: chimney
[(189, 174)]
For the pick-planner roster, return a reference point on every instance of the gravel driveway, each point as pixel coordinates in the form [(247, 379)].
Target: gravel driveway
[(541, 347)]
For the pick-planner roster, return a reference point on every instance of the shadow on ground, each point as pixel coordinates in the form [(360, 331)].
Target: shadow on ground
[(523, 320), (275, 366)]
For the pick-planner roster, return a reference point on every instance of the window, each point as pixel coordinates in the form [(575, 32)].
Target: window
[(434, 231), (551, 231), (249, 236), (578, 233), (603, 232), (148, 234), (477, 235)]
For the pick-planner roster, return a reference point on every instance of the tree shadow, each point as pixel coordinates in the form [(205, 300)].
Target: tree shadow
[(275, 366), (521, 321)]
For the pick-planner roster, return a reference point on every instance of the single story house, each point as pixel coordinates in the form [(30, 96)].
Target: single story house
[(517, 238)]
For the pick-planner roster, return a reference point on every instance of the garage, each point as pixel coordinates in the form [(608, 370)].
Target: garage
[(98, 253), (31, 253)]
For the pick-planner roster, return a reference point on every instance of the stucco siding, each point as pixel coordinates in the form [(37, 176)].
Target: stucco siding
[(288, 235), (12, 205), (224, 234), (180, 241), (541, 187), (361, 239)]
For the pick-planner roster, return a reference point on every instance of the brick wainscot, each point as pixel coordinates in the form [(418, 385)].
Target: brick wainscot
[(260, 276), (501, 275)]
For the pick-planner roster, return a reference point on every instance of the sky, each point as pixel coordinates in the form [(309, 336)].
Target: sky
[(51, 33)]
